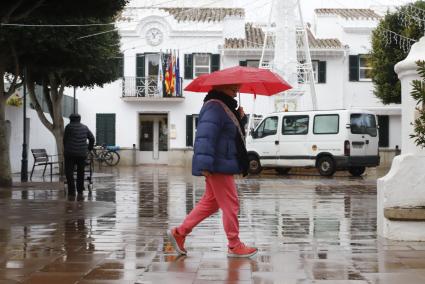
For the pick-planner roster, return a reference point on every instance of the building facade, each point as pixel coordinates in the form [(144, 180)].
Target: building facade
[(154, 126)]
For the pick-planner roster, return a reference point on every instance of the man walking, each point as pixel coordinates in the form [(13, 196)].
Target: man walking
[(76, 150)]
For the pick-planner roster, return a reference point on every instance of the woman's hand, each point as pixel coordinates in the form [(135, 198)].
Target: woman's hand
[(206, 173), (241, 112)]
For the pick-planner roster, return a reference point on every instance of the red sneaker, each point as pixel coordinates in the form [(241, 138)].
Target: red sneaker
[(177, 241), (242, 251)]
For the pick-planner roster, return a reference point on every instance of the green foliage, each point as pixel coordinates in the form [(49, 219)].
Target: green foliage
[(384, 56), (15, 101), (84, 62), (418, 93)]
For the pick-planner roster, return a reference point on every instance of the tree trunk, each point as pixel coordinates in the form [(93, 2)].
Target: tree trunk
[(5, 170)]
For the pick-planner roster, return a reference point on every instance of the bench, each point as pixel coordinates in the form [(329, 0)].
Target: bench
[(42, 159)]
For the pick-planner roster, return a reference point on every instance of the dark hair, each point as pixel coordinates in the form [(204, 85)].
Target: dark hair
[(75, 117)]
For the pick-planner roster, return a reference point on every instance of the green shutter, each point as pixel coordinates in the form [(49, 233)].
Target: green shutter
[(215, 62), (189, 130), (188, 66), (140, 65), (354, 68), (242, 63), (140, 70), (321, 66), (384, 133), (105, 129)]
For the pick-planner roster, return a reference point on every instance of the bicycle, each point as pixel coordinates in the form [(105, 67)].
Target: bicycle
[(106, 154)]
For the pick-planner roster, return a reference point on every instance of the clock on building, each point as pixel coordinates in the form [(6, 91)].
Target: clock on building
[(154, 36)]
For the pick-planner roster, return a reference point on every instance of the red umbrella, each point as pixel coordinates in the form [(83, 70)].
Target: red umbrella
[(252, 80)]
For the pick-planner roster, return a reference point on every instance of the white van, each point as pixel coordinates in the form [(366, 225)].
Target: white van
[(329, 140)]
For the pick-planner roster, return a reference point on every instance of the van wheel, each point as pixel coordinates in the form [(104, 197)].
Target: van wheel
[(326, 166), (254, 165), (282, 171), (356, 171)]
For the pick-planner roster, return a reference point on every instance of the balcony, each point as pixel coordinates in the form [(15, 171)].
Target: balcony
[(146, 89)]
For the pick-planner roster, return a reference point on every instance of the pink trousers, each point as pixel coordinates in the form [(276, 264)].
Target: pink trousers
[(221, 194)]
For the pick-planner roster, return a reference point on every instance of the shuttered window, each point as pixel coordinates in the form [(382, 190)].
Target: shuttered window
[(105, 129), (321, 67), (200, 63)]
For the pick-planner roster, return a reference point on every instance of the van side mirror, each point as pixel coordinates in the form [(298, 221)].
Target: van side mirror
[(253, 133)]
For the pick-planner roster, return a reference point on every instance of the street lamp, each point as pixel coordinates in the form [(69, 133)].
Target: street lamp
[(24, 161)]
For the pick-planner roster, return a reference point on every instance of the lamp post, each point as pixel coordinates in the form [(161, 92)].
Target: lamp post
[(24, 161), (75, 100)]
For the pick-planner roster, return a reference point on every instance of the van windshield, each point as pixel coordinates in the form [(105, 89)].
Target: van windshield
[(362, 123)]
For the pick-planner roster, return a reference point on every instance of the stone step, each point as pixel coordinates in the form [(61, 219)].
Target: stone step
[(405, 213)]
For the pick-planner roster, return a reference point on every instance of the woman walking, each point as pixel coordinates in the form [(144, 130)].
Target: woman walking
[(219, 153)]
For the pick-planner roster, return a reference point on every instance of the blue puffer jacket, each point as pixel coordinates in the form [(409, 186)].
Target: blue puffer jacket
[(215, 147)]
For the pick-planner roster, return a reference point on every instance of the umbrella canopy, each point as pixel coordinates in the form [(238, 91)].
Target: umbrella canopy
[(252, 80)]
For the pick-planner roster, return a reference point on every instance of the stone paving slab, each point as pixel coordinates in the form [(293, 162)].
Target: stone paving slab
[(308, 229)]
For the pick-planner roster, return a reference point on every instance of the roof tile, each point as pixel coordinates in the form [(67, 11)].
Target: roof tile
[(254, 38), (349, 13), (203, 14)]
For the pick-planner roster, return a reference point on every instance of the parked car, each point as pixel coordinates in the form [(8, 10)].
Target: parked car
[(328, 140)]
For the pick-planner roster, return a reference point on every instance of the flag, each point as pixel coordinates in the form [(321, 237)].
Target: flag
[(167, 76), (178, 74), (173, 77), (160, 76)]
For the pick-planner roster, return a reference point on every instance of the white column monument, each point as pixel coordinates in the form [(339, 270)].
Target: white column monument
[(403, 188)]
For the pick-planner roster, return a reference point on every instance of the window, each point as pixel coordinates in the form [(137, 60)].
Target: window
[(360, 68), (295, 125), (326, 124), (201, 64), (191, 126), (267, 127), (105, 129), (254, 63), (196, 64), (319, 72), (365, 68), (362, 123)]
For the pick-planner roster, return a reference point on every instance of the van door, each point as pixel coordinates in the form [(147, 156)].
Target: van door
[(265, 141), (364, 134), (293, 142)]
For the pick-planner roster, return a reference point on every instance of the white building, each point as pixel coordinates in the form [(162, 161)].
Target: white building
[(152, 128)]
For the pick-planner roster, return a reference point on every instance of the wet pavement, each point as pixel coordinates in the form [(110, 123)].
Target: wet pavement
[(308, 229)]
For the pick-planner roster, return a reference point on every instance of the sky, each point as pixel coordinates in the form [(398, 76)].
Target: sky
[(258, 10)]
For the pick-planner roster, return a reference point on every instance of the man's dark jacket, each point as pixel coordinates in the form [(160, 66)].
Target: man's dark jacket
[(75, 139)]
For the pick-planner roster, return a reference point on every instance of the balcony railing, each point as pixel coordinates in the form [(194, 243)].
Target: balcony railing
[(147, 87)]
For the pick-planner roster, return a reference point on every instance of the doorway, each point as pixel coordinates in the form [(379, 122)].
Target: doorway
[(153, 138)]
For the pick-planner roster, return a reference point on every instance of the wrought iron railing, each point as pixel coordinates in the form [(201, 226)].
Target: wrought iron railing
[(148, 87)]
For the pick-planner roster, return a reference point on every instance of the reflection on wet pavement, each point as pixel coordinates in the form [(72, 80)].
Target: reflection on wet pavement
[(308, 229)]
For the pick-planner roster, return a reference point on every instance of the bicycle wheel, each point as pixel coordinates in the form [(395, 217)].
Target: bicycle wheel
[(113, 158), (107, 158)]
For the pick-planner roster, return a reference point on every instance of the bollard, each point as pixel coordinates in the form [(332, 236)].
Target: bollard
[(134, 162)]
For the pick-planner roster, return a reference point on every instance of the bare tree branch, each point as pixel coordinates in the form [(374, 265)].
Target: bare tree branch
[(46, 94), (12, 9), (34, 100), (29, 11)]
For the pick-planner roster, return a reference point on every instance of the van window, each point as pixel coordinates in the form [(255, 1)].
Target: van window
[(326, 124), (363, 123), (267, 127), (295, 125)]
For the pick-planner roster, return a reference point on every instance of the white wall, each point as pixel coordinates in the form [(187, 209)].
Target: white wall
[(395, 131), (39, 137)]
